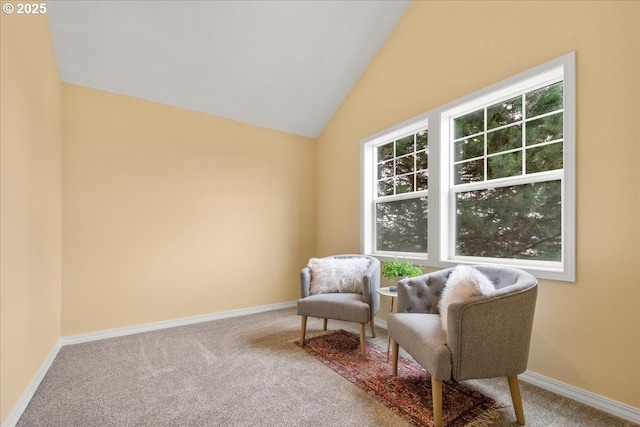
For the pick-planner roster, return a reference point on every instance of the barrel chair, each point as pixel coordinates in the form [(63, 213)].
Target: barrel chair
[(486, 335), (340, 287)]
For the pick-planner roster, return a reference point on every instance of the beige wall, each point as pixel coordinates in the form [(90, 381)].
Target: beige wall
[(30, 208), (586, 334), (170, 213)]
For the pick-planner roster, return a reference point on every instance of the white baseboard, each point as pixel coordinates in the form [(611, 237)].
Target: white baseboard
[(16, 412), (136, 329), (380, 322), (609, 406)]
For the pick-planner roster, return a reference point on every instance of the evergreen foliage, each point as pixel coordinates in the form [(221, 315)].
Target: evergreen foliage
[(522, 136)]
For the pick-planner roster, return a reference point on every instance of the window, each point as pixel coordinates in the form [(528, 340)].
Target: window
[(401, 194), (397, 170), (492, 175)]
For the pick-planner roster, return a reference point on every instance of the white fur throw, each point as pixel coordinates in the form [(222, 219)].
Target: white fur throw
[(337, 274), (463, 283)]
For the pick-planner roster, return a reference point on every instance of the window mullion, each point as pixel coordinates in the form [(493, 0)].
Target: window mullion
[(523, 138), (485, 159)]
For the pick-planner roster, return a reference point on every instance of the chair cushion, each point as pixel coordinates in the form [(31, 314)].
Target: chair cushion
[(337, 274), (338, 306), (463, 284), (421, 335)]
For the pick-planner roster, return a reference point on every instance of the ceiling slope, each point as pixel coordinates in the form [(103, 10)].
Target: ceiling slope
[(284, 65)]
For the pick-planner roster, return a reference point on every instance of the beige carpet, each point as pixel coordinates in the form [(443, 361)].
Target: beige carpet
[(241, 371)]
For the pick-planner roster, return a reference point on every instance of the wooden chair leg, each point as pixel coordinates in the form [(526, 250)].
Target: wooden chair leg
[(395, 348), (363, 340), (514, 387), (324, 324), (436, 393), (303, 328), (373, 329)]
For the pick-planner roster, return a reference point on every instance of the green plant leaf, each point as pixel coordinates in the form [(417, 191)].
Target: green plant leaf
[(395, 269)]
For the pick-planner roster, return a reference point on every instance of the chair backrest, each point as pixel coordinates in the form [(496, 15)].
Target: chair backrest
[(371, 280), (421, 294)]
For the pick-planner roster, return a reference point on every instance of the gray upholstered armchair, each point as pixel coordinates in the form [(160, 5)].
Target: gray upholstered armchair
[(358, 304), (486, 336)]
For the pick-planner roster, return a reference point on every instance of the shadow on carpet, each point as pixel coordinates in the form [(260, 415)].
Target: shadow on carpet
[(409, 394)]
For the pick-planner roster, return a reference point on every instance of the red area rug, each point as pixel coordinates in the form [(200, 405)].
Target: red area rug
[(408, 394)]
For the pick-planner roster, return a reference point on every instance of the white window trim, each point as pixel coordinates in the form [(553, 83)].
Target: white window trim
[(440, 200)]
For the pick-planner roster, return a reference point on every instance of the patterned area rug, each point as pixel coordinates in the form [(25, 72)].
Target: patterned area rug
[(408, 394)]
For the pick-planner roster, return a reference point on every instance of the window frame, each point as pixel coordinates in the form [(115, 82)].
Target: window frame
[(441, 196)]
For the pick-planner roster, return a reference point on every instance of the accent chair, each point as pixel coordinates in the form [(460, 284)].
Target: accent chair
[(358, 305), (486, 337)]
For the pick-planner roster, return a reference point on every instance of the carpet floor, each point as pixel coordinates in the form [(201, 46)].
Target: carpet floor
[(240, 371)]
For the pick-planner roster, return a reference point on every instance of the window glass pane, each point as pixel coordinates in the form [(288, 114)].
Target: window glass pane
[(544, 129), (521, 222), (545, 158), (385, 152), (472, 171), (468, 125), (404, 165), (385, 187), (422, 180), (402, 225), (504, 165), (468, 148), (504, 139), (385, 170), (404, 184), (404, 146), (422, 139), (544, 100), (422, 160), (505, 112)]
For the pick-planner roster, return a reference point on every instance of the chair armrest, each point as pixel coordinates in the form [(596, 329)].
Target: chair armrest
[(371, 284), (490, 337), (305, 282)]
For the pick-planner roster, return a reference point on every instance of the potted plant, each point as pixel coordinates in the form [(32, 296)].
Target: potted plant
[(394, 270)]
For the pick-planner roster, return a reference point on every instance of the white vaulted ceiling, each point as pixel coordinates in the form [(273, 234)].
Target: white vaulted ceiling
[(284, 65)]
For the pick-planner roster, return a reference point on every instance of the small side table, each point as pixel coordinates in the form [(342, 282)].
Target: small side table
[(388, 293)]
